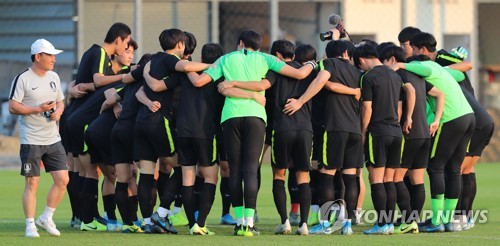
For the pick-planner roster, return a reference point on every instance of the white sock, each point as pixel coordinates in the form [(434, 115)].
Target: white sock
[(315, 208), (249, 221), (147, 221), (48, 213), (30, 222), (177, 210), (162, 212), (239, 221)]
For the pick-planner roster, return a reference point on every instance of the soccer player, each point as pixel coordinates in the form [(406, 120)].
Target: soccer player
[(244, 120), (417, 142), (122, 149), (456, 128), (341, 123), (36, 95), (98, 135), (404, 38)]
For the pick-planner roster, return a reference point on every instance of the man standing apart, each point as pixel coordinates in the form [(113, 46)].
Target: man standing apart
[(36, 95)]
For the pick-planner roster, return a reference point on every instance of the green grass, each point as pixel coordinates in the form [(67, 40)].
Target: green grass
[(12, 221)]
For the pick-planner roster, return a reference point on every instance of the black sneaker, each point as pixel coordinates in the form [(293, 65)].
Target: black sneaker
[(153, 229), (163, 223)]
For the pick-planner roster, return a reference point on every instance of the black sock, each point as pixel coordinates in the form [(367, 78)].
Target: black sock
[(90, 191), (453, 184), (464, 200), (161, 183), (339, 190), (173, 184), (351, 194), (259, 179), (293, 190), (407, 182), (313, 183), (305, 202), (379, 199), (404, 201), (417, 198), (326, 187), (110, 206), (198, 187), (72, 188), (473, 191), (134, 204), (187, 200), (226, 197), (207, 198), (81, 196), (144, 194), (279, 195), (390, 190), (178, 200), (123, 202)]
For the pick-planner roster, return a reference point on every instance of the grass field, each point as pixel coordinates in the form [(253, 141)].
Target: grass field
[(12, 221)]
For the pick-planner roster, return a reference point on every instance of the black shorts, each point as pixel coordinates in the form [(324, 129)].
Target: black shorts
[(154, 140), (122, 142), (197, 151), (317, 148), (342, 150), (383, 151), (291, 147), (416, 153), (480, 139), (221, 153), (63, 131), (53, 157), (269, 135), (98, 138)]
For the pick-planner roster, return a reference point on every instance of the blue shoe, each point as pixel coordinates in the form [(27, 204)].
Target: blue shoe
[(101, 220), (378, 230), (138, 223), (227, 220), (347, 229), (113, 225), (323, 228), (429, 227), (391, 229), (196, 213), (163, 223), (153, 229)]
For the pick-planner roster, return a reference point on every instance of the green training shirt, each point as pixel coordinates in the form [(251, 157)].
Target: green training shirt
[(445, 80), (243, 65)]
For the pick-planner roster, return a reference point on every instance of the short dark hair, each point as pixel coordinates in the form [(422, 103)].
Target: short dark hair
[(369, 41), (190, 43), (251, 39), (132, 43), (391, 51), (407, 33), (169, 38), (418, 58), (284, 47), (32, 58), (117, 30), (424, 39), (383, 45), (144, 59), (336, 48), (365, 50), (305, 52), (210, 52)]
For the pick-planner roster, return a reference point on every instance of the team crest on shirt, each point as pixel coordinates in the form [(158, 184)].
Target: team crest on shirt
[(53, 86), (27, 167)]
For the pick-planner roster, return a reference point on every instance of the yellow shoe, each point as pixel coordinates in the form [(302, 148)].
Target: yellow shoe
[(131, 229)]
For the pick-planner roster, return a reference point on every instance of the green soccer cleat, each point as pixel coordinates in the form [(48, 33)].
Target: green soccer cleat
[(251, 231), (92, 226), (313, 219), (407, 228), (131, 229), (178, 220)]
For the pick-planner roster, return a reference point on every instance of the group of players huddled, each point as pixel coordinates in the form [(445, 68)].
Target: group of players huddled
[(399, 110)]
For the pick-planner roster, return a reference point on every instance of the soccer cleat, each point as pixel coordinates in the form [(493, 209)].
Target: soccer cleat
[(206, 231), (251, 231), (178, 220), (313, 219), (227, 220), (391, 228), (427, 226), (72, 223), (77, 223), (407, 228), (448, 227), (239, 230), (285, 228), (101, 220), (378, 230), (131, 229), (163, 223), (196, 230), (153, 229), (48, 225), (323, 228), (31, 232), (113, 225), (303, 230), (138, 223), (294, 219), (347, 229), (92, 226)]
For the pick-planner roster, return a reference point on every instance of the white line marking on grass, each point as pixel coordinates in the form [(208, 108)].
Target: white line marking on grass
[(468, 237)]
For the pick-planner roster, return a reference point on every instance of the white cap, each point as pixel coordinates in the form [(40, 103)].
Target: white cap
[(44, 46)]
